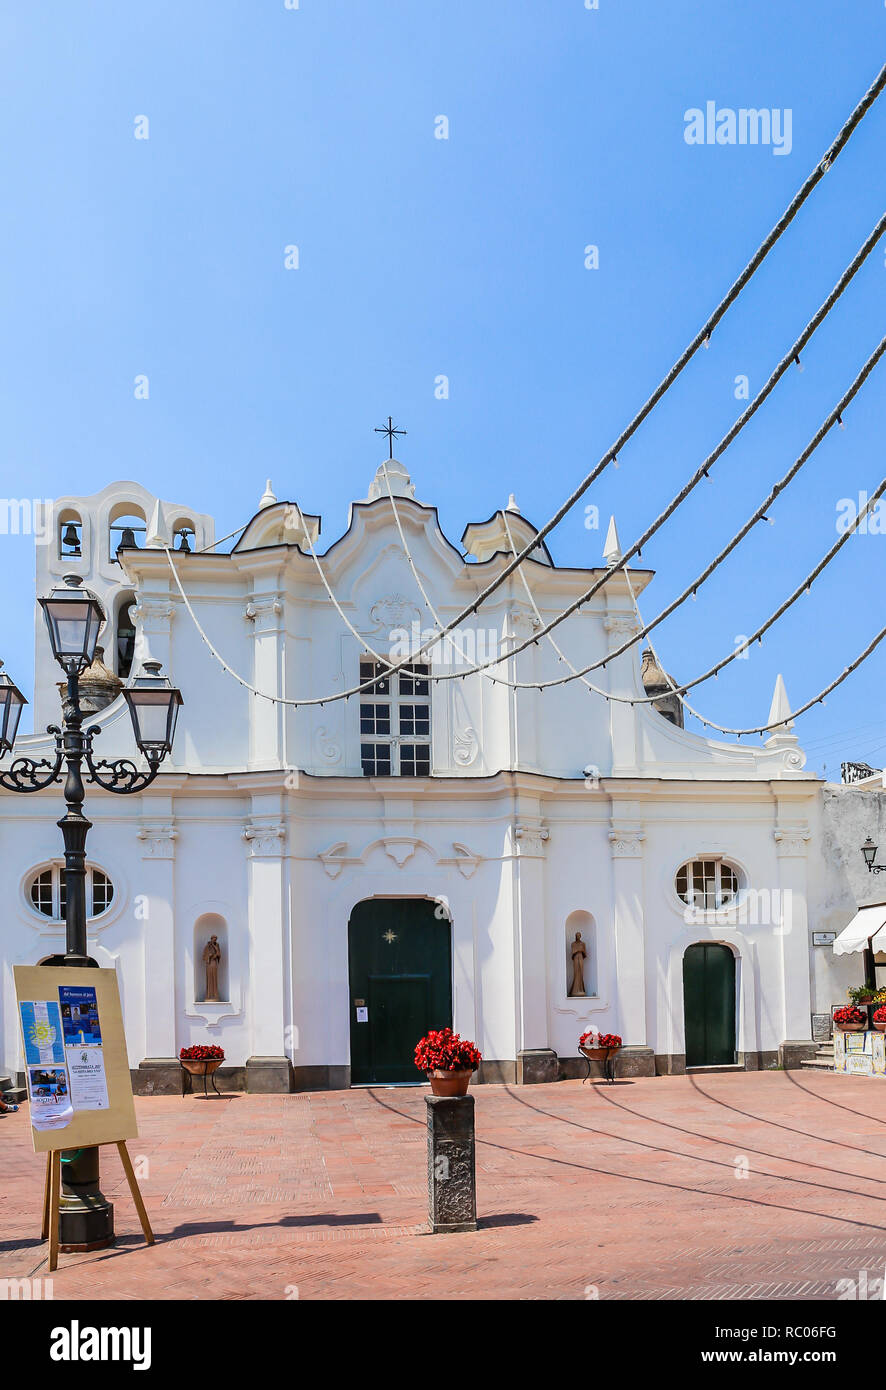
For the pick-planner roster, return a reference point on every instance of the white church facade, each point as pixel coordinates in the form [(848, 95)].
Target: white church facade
[(424, 852)]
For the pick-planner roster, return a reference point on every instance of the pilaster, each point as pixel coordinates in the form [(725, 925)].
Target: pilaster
[(264, 612), (626, 840)]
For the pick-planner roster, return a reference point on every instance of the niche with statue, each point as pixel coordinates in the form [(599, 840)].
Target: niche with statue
[(581, 956), (211, 960)]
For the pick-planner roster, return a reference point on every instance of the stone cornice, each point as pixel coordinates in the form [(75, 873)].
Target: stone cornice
[(567, 791)]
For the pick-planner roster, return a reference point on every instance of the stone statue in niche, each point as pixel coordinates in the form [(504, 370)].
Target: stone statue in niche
[(579, 952), (212, 959)]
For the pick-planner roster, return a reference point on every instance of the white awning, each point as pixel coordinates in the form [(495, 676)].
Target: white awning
[(868, 922)]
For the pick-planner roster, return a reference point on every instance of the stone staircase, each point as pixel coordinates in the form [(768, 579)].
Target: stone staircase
[(12, 1094), (823, 1059)]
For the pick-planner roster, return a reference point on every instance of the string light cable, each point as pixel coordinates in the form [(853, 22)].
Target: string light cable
[(680, 690), (702, 338), (703, 471), (834, 418), (804, 587)]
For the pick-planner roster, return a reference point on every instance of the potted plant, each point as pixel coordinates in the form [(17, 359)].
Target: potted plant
[(448, 1060), (598, 1046), (202, 1060), (880, 1019), (851, 1019), (862, 994)]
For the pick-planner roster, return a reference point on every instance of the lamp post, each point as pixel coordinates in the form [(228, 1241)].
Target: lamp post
[(869, 850), (74, 617)]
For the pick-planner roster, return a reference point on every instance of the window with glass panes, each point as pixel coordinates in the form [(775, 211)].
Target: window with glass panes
[(707, 883), (395, 721), (48, 894)]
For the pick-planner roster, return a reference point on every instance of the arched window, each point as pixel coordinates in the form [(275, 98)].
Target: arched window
[(125, 637), (46, 891), (707, 884)]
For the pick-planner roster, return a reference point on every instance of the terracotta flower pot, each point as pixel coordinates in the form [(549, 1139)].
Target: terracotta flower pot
[(203, 1066), (597, 1054), (853, 1027), (880, 1027), (450, 1083)]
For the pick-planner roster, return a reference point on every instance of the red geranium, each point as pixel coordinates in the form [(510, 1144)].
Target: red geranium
[(202, 1052), (880, 1015), (850, 1014), (446, 1051), (594, 1039)]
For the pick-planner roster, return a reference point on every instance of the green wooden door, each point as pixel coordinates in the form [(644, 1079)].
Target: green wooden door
[(709, 1005), (399, 960)]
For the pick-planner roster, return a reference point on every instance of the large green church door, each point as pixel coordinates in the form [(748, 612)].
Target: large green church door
[(709, 1005), (399, 957)]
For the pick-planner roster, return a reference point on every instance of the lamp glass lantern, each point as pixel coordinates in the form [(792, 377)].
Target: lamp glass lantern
[(153, 708), (12, 702), (869, 850), (74, 617)]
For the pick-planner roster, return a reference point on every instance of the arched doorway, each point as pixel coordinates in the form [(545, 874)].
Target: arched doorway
[(400, 971), (709, 1004)]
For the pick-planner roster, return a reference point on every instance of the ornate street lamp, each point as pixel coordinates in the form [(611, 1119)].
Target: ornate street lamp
[(869, 850), (74, 618), (12, 702)]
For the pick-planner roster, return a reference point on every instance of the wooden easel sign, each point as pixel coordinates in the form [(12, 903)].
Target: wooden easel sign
[(77, 1074)]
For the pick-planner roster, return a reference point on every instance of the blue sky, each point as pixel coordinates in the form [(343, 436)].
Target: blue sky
[(420, 257)]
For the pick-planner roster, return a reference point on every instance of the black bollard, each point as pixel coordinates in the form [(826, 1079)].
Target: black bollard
[(452, 1178)]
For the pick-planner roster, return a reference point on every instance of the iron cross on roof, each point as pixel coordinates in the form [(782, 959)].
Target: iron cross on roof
[(391, 432)]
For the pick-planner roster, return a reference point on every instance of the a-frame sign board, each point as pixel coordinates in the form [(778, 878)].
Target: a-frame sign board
[(77, 1073)]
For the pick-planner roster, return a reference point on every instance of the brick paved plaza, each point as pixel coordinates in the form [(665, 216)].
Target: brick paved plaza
[(633, 1191)]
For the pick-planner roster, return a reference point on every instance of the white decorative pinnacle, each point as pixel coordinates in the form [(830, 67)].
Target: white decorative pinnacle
[(780, 709), (512, 504), (612, 548), (268, 498)]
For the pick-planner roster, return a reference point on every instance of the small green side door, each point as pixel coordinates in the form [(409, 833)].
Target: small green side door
[(399, 957), (709, 1005)]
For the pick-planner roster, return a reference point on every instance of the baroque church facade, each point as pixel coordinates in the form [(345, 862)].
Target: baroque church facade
[(425, 852)]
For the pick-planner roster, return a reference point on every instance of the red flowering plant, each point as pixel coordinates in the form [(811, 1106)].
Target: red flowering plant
[(446, 1051), (594, 1039), (850, 1014), (202, 1052), (880, 1015)]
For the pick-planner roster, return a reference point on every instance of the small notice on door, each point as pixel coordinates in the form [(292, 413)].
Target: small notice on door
[(362, 1015)]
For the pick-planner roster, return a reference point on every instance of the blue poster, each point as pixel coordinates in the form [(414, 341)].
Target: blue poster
[(42, 1032), (80, 1016)]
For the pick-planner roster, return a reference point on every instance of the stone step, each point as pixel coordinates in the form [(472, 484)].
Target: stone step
[(818, 1063), (12, 1094), (725, 1066)]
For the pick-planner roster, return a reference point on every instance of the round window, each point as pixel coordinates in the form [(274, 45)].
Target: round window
[(46, 891), (707, 884)]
